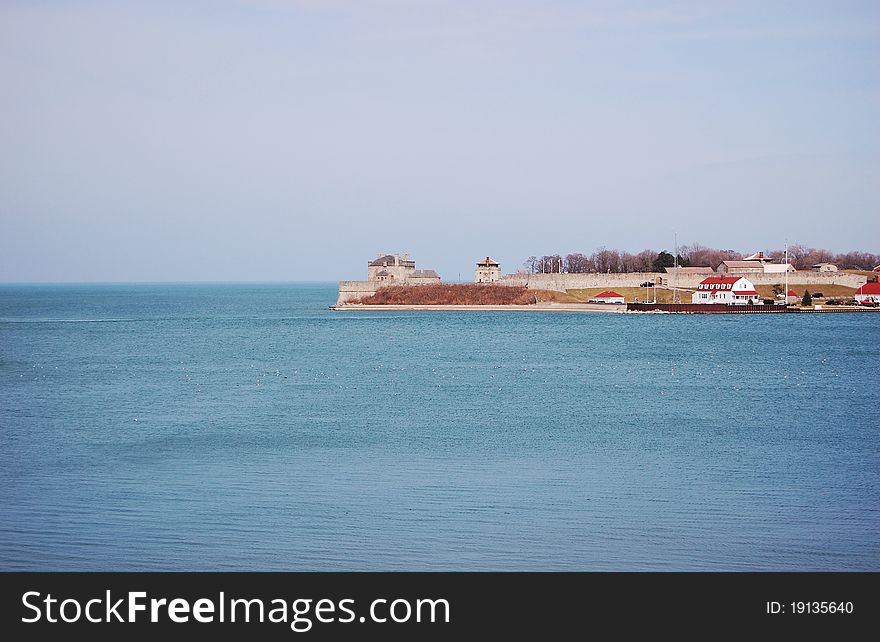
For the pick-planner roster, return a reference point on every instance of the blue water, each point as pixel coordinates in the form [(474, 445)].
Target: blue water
[(247, 427)]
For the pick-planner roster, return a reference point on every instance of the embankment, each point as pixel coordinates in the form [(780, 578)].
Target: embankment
[(474, 294)]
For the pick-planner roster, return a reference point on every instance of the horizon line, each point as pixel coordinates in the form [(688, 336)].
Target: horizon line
[(182, 282)]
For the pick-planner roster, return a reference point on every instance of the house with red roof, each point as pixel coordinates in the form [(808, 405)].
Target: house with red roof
[(734, 290), (608, 296), (868, 292)]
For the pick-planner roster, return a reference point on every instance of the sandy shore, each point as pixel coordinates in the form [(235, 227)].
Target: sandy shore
[(537, 307)]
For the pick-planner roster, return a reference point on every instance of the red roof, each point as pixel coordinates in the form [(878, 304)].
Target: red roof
[(716, 283), (608, 294), (869, 288), (488, 263), (748, 292), (719, 280), (792, 293)]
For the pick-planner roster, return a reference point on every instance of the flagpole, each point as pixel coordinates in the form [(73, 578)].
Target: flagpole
[(786, 272)]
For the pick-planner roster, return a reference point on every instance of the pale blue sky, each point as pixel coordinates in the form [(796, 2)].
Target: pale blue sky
[(294, 140)]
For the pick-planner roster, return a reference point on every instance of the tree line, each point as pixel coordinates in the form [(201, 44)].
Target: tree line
[(609, 260)]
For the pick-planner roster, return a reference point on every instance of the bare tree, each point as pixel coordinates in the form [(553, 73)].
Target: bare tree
[(857, 261), (697, 254), (577, 263), (803, 258), (550, 264), (796, 254), (819, 256), (640, 262), (606, 260)]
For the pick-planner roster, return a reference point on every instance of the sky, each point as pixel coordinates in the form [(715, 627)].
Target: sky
[(273, 140)]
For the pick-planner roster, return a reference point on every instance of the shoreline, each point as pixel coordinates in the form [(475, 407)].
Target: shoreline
[(575, 307), (534, 307)]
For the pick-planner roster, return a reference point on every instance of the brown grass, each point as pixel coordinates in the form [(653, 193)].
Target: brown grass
[(871, 276), (830, 291), (631, 294), (463, 294)]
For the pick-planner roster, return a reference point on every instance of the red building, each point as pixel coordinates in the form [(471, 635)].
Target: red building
[(868, 292), (608, 296)]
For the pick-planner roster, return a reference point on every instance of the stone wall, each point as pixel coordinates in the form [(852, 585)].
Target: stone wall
[(808, 277), (351, 290), (564, 282)]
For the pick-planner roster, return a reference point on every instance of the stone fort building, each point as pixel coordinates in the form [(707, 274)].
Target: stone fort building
[(393, 269), (386, 269), (488, 271)]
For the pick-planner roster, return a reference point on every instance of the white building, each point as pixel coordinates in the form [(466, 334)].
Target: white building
[(608, 296), (757, 263), (778, 268), (726, 289), (488, 271), (868, 292), (825, 267)]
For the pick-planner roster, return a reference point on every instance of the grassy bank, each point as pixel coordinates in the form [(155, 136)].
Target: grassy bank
[(489, 294), (665, 296), (828, 291), (464, 294), (631, 294), (871, 276)]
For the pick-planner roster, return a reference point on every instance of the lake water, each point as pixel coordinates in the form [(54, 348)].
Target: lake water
[(247, 427)]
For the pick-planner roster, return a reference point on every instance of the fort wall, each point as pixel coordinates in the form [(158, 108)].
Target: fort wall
[(562, 282), (352, 290)]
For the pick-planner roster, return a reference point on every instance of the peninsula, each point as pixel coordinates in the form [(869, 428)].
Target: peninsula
[(753, 284)]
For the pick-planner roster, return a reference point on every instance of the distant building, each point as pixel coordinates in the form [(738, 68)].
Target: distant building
[(778, 268), (792, 297), (390, 267), (825, 267), (488, 271), (747, 266), (757, 263), (868, 292), (393, 269), (741, 267), (423, 277), (609, 296), (726, 289), (877, 269)]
